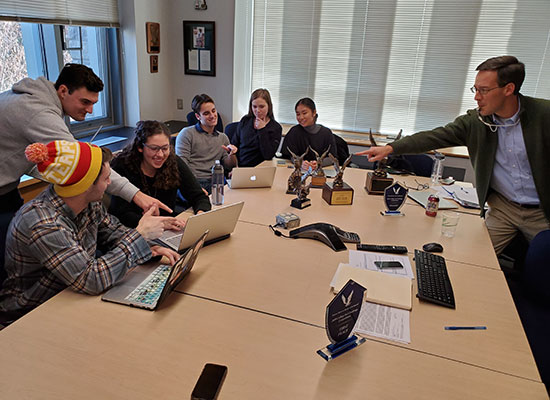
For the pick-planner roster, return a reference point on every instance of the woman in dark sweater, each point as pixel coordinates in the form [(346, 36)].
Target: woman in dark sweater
[(150, 163), (308, 133), (258, 134)]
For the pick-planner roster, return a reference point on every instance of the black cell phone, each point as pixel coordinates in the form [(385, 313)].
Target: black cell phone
[(388, 264), (209, 383)]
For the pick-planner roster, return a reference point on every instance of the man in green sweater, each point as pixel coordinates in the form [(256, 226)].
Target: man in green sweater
[(509, 148)]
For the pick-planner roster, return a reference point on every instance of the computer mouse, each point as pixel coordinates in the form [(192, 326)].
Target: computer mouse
[(433, 247)]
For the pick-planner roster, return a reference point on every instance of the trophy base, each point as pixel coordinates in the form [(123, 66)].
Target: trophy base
[(297, 203), (392, 213), (338, 195), (318, 181), (337, 349), (375, 184)]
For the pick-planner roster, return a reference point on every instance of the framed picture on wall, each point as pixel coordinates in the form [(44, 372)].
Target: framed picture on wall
[(199, 47), (153, 37)]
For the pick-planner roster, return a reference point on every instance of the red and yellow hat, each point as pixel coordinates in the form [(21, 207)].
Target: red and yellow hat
[(71, 166)]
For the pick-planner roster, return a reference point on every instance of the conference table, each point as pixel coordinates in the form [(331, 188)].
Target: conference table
[(256, 303)]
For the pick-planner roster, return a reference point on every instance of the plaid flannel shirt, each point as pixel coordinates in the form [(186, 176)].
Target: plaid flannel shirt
[(49, 248)]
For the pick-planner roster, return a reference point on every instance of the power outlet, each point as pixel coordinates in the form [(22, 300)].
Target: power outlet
[(179, 103)]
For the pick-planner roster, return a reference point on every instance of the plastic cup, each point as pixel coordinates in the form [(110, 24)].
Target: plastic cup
[(449, 223)]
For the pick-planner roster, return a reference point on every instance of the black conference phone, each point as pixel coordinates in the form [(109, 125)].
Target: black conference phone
[(331, 235)]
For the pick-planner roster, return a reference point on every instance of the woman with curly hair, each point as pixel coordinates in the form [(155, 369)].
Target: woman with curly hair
[(149, 162)]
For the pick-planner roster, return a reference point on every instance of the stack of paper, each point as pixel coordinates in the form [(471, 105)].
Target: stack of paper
[(387, 289)]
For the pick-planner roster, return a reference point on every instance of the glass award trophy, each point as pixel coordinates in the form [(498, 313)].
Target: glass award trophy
[(394, 198), (340, 318)]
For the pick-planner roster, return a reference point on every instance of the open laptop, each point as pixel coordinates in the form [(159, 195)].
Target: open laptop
[(421, 197), (147, 286), (255, 177), (220, 222)]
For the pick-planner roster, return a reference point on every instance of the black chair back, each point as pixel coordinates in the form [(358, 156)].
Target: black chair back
[(536, 274), (230, 130), (342, 149)]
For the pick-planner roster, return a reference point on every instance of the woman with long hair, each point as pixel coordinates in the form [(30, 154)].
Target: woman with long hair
[(150, 163), (258, 134)]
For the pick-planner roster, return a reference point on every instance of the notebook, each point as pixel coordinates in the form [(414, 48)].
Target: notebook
[(421, 197), (386, 289), (220, 222), (256, 177), (147, 286)]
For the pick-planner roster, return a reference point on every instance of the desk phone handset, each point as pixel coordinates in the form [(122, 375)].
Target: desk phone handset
[(331, 235)]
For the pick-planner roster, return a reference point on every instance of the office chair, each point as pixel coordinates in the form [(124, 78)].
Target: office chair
[(230, 130), (536, 274), (192, 120), (417, 164), (532, 299), (342, 149)]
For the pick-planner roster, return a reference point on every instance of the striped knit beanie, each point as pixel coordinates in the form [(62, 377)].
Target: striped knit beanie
[(71, 166)]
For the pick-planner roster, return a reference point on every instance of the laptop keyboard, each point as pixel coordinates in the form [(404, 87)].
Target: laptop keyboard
[(173, 241), (148, 291)]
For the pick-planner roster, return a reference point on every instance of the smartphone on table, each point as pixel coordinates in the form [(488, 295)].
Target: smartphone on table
[(388, 264), (209, 383)]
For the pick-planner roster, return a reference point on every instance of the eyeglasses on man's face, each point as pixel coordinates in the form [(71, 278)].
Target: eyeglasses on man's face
[(157, 149), (482, 91)]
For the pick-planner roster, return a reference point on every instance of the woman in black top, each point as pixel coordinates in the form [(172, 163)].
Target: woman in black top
[(258, 134), (308, 133), (150, 163)]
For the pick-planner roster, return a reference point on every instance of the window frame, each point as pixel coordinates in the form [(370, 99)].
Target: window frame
[(44, 54)]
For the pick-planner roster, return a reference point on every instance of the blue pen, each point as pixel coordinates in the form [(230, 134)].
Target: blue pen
[(461, 328), (451, 193)]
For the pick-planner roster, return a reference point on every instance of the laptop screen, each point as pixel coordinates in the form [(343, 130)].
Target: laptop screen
[(182, 267)]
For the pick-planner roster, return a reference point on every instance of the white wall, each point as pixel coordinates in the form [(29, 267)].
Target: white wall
[(153, 96), (219, 87)]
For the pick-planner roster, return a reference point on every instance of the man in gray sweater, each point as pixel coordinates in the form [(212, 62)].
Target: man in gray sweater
[(201, 145), (34, 111)]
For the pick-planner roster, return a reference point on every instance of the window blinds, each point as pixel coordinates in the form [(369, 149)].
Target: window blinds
[(391, 64), (62, 12)]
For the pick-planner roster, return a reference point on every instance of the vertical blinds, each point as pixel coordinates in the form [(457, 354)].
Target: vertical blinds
[(387, 65), (62, 12)]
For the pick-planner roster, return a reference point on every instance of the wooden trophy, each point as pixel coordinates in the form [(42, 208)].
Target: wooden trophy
[(338, 192), (318, 178), (378, 180)]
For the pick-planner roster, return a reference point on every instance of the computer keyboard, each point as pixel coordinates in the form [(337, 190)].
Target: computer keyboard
[(433, 281), (148, 291)]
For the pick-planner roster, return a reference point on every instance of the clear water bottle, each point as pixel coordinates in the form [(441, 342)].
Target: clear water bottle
[(217, 183), (437, 168)]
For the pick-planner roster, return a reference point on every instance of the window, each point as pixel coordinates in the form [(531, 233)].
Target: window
[(384, 64), (33, 50)]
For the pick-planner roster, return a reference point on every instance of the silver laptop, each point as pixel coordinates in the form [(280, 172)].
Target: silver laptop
[(147, 286), (220, 222), (421, 197), (255, 177)]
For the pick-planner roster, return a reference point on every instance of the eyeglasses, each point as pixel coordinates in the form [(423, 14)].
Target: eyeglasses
[(419, 186), (156, 149), (482, 91)]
